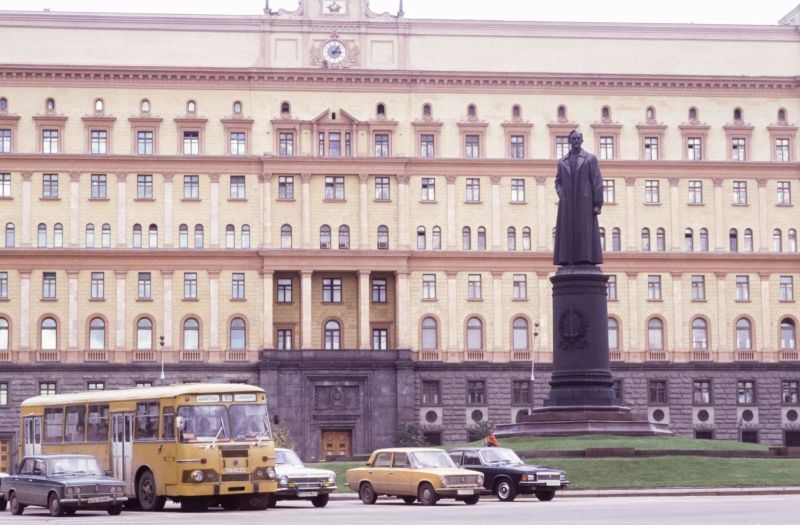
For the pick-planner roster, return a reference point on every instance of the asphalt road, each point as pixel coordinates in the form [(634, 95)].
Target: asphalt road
[(685, 510)]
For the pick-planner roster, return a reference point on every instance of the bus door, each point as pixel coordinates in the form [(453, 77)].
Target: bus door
[(33, 435), (121, 448)]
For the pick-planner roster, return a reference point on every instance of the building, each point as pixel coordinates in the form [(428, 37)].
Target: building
[(355, 211)]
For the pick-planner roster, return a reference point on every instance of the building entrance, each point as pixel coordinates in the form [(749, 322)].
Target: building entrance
[(336, 444)]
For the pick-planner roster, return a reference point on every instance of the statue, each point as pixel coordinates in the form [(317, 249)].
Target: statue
[(580, 199)]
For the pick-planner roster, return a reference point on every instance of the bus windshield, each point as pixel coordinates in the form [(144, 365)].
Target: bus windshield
[(202, 423), (250, 422)]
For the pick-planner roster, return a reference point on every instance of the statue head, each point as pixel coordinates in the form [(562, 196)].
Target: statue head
[(575, 139)]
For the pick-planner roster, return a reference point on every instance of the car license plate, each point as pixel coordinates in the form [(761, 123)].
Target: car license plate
[(99, 499), (308, 494), (553, 483), (465, 492)]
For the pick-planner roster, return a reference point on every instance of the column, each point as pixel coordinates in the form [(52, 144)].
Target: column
[(722, 317), (677, 312), (451, 213), (719, 231), (120, 328), (545, 308), (74, 192), (169, 234), (632, 330), (214, 210), (363, 212), (402, 203), (305, 309), (166, 331), (122, 226), (213, 289), (72, 308), (453, 324), (403, 310), (25, 234), (306, 177), (766, 317), (267, 280), (630, 218), (674, 211), (541, 218), (265, 197), (497, 311), (763, 226), (496, 230), (363, 310), (24, 309)]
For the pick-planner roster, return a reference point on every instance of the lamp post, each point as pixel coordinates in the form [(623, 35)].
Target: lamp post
[(534, 347), (161, 343)]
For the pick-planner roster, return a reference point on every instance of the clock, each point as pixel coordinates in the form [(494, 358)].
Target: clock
[(334, 51)]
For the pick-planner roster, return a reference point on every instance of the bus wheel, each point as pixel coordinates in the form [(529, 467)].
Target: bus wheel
[(149, 501)]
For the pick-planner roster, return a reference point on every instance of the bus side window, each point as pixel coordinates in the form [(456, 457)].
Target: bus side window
[(75, 431), (53, 424), (147, 420), (168, 424), (97, 427)]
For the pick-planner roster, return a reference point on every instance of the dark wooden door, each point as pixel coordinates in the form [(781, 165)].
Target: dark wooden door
[(336, 444)]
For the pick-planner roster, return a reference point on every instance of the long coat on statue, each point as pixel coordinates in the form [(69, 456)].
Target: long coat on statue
[(577, 227)]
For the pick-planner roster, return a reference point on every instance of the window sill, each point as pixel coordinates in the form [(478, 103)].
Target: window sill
[(522, 300), (423, 300), (238, 300), (475, 300), (191, 200), (189, 300), (740, 204), (143, 300), (334, 200), (777, 205), (695, 203), (237, 200), (518, 203), (98, 198), (285, 200), (699, 300), (382, 200), (97, 300), (428, 202), (4, 299), (652, 204), (284, 303), (144, 199), (50, 198), (655, 300), (743, 300), (48, 299), (780, 300), (6, 198), (473, 202), (613, 300)]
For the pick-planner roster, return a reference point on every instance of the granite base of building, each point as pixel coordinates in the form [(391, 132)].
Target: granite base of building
[(572, 421)]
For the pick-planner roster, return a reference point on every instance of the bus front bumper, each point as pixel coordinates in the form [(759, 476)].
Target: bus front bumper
[(221, 489)]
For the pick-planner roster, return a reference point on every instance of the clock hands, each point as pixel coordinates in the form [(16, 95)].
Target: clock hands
[(335, 51)]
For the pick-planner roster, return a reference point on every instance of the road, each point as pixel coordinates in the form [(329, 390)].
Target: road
[(705, 510)]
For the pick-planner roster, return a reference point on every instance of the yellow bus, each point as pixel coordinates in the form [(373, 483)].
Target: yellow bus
[(197, 444)]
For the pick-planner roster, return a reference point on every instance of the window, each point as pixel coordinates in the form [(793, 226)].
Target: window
[(742, 288), (430, 336), (609, 196), (474, 286), (426, 145), (472, 146), (511, 238), (429, 286), (381, 144), (653, 287), (421, 238), (191, 142), (520, 287), (191, 187), (657, 392), (699, 334), (661, 240), (190, 285), (517, 190), (784, 192), (191, 334), (324, 237), (334, 143), (334, 188), (782, 150), (238, 334), (3, 394), (379, 291), (613, 334), (786, 288), (748, 240), (5, 141), (48, 389), (183, 236), (333, 336), (520, 392), (431, 393), (703, 240), (655, 334), (562, 146), (436, 238), (50, 141), (651, 148), (58, 235), (191, 107), (97, 334), (144, 186), (237, 286), (476, 392), (230, 236), (286, 236), (5, 185), (746, 392), (383, 237), (49, 334), (695, 192), (332, 290), (520, 334), (245, 237), (50, 186), (285, 187), (645, 239), (651, 192), (474, 334), (740, 192), (744, 334), (481, 238), (48, 285), (143, 384), (41, 236), (284, 290), (790, 392), (616, 240), (738, 150), (144, 285), (612, 287), (694, 148), (286, 109), (153, 236), (284, 339), (466, 238), (98, 285), (473, 193), (380, 339), (99, 189), (144, 142), (526, 238), (238, 143), (3, 285), (517, 146), (788, 335), (237, 188), (4, 340), (606, 148), (701, 392), (286, 144), (733, 237), (777, 240), (99, 142), (698, 288), (428, 189), (382, 189), (344, 237)]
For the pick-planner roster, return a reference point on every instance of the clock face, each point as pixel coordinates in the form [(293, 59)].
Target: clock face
[(334, 51)]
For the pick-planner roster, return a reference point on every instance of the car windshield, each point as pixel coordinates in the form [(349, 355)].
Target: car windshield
[(431, 459), (287, 457), (75, 466), (503, 456)]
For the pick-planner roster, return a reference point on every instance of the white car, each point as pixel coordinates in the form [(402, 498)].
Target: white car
[(296, 481)]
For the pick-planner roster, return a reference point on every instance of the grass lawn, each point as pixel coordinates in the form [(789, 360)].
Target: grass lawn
[(605, 441)]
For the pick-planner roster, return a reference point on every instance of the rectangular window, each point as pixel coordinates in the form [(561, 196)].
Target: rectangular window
[(562, 146), (237, 190), (334, 188), (238, 143), (379, 291), (476, 392), (657, 392), (742, 288), (606, 148), (53, 417), (48, 285), (284, 290), (612, 287), (785, 293), (698, 288), (426, 146), (701, 392), (694, 148), (99, 142), (335, 144), (144, 186), (147, 420), (380, 339), (472, 146), (517, 190), (144, 142), (746, 392), (99, 187), (237, 286), (286, 144), (96, 385), (5, 185), (473, 286), (790, 392), (428, 189), (50, 141), (781, 150), (431, 393), (3, 285), (382, 189), (517, 146), (740, 192), (651, 148), (520, 287), (3, 394), (284, 338), (738, 150), (75, 424), (285, 187), (695, 192), (784, 192), (429, 286), (473, 190), (321, 144), (520, 392), (98, 285), (191, 143), (143, 384), (332, 290), (191, 187), (609, 191), (5, 141), (144, 285), (190, 285), (50, 186), (651, 192), (47, 389), (653, 287), (381, 144)]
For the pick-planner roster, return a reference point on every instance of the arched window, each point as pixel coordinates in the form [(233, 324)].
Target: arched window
[(791, 241), (90, 235), (153, 236), (183, 236), (788, 335), (191, 334), (781, 115), (41, 237), (238, 333), (10, 235), (245, 236), (692, 114), (602, 238), (144, 106), (516, 112), (58, 235), (526, 238), (286, 236), (421, 238), (144, 334), (286, 108), (50, 104), (520, 334), (481, 238), (474, 334), (3, 104), (777, 240), (511, 238), (688, 240), (616, 240), (383, 237), (97, 334), (237, 108), (699, 334), (744, 334), (737, 114), (562, 113), (4, 339), (191, 107), (427, 112), (613, 334), (703, 239), (98, 105), (198, 236), (333, 336), (748, 240), (380, 110), (105, 236), (605, 113), (430, 335), (466, 238), (436, 238), (655, 334), (324, 237), (49, 334), (650, 114), (733, 238), (472, 111), (137, 236), (661, 240), (344, 237), (230, 236), (645, 239)]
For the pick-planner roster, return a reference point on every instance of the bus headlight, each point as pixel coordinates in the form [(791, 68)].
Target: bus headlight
[(197, 475), (283, 481), (271, 473)]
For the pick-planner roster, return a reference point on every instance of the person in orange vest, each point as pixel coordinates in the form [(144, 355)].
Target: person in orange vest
[(491, 441)]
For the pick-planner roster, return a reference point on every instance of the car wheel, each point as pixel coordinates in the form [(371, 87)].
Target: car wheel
[(149, 500), (320, 501), (16, 507), (114, 510), (367, 493), (545, 495), (409, 500), (505, 490), (472, 500), (54, 506), (426, 495)]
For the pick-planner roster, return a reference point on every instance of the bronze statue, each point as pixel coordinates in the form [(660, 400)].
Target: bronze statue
[(580, 192)]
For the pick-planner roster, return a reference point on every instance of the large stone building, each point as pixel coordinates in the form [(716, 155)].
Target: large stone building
[(355, 211)]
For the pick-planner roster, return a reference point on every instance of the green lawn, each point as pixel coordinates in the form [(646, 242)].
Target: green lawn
[(606, 441)]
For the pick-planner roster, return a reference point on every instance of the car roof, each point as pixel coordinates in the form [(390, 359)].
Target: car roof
[(409, 449), (479, 449)]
